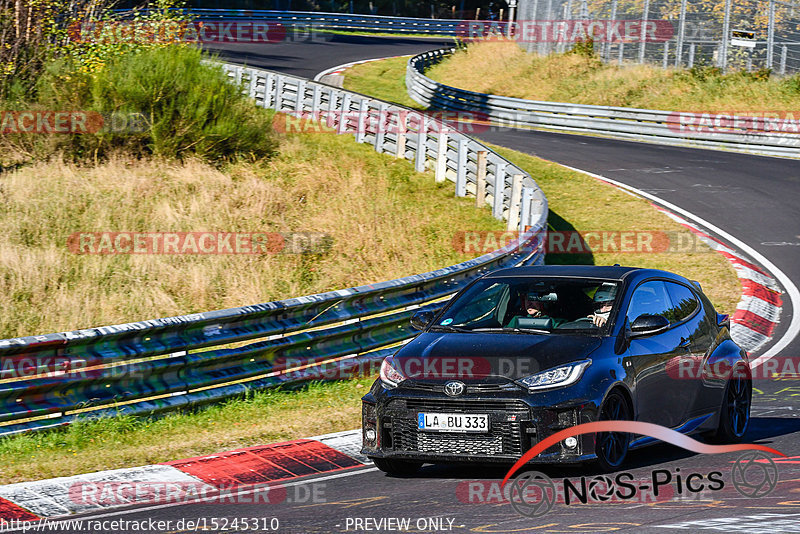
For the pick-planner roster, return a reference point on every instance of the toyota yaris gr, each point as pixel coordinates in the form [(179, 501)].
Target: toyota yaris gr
[(522, 353)]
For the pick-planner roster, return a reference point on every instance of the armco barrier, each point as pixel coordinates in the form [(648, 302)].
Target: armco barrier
[(341, 21), (187, 361), (625, 123)]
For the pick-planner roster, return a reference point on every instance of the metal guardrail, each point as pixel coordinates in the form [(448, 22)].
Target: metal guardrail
[(339, 21), (190, 360), (625, 123)]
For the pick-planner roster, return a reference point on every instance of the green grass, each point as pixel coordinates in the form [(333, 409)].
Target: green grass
[(126, 441), (384, 79), (503, 68)]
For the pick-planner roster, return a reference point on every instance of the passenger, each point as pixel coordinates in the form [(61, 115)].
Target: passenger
[(537, 305)]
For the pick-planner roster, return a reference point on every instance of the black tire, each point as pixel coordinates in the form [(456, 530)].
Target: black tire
[(397, 467), (611, 448), (734, 415)]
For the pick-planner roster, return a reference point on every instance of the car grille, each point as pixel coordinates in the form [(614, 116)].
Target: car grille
[(504, 437), (490, 445)]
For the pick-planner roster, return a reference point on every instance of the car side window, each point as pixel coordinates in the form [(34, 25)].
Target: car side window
[(684, 302), (649, 298)]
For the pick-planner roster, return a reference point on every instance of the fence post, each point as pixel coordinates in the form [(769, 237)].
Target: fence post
[(514, 204), (726, 30), (691, 55), (643, 44), (400, 151), (499, 189), (461, 168), (621, 52), (441, 157), (480, 180), (681, 34), (666, 54), (771, 33), (608, 30)]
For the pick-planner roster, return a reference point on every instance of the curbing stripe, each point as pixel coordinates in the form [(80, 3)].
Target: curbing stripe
[(272, 463)]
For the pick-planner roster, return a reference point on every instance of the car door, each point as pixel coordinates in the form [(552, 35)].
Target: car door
[(702, 395), (658, 399)]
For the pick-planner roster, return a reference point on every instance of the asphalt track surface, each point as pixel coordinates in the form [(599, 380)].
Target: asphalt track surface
[(753, 198)]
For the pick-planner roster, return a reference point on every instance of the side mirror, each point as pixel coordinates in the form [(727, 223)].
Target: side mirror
[(724, 320), (422, 319), (647, 325)]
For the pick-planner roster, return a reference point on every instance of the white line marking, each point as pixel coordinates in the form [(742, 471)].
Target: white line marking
[(794, 294)]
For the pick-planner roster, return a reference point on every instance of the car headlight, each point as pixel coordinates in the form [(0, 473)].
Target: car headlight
[(390, 376), (556, 377)]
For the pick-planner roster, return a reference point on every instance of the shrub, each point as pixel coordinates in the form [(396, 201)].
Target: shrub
[(183, 106)]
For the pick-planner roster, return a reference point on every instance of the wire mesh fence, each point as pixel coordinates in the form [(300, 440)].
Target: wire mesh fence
[(729, 34)]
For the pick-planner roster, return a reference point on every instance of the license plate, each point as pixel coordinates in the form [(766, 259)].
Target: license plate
[(453, 422)]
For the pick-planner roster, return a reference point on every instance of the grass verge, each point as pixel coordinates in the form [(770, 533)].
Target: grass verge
[(386, 221), (117, 442), (503, 68)]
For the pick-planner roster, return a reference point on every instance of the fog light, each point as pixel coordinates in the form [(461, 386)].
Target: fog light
[(571, 442), (370, 435)]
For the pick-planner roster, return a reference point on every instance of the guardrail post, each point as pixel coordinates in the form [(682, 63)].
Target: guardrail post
[(422, 141), (621, 52), (269, 87), (499, 189), (514, 204), (666, 54), (480, 180), (332, 102), (315, 99), (300, 96), (380, 129), (343, 115), (400, 151), (691, 55), (461, 169), (252, 78), (361, 124), (525, 209), (784, 52), (278, 102), (441, 157)]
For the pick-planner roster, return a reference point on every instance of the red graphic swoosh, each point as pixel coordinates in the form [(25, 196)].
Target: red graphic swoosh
[(634, 427)]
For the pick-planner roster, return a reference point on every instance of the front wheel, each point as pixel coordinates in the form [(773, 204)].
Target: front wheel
[(612, 447), (397, 467), (734, 416)]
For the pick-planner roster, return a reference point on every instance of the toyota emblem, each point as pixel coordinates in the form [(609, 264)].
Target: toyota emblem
[(454, 388)]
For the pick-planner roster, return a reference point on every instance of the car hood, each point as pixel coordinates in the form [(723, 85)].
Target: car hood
[(488, 357)]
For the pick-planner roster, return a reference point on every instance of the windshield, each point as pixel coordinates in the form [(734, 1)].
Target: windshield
[(529, 304)]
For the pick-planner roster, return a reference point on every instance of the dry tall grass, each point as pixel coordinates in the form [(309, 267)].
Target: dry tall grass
[(386, 221), (503, 68)]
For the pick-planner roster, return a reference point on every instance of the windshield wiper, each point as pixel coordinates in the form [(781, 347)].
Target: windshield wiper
[(513, 330), (444, 328)]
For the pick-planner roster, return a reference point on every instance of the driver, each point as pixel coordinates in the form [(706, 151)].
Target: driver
[(537, 305), (603, 303)]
